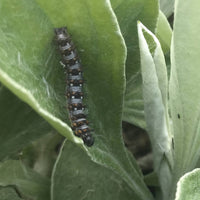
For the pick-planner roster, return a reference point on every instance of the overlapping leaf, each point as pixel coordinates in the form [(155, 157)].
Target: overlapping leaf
[(155, 93), (29, 184), (128, 12), (86, 180), (184, 88), (30, 69), (167, 6), (188, 186), (19, 124), (164, 33), (8, 194)]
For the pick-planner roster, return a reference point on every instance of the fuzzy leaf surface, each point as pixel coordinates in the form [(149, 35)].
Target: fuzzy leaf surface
[(128, 13), (19, 124), (184, 88), (188, 186), (30, 184), (87, 180), (29, 67), (155, 93)]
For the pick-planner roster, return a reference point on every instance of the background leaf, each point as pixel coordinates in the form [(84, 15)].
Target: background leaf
[(188, 186), (29, 184), (41, 154), (155, 93), (19, 124), (88, 180), (8, 193), (128, 12), (184, 88), (164, 33), (167, 7)]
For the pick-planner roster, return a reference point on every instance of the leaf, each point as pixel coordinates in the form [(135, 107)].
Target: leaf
[(8, 194), (85, 181), (155, 93), (128, 12), (167, 7), (184, 88), (39, 80), (151, 179), (164, 33), (42, 154), (27, 61), (188, 186), (28, 183), (19, 124)]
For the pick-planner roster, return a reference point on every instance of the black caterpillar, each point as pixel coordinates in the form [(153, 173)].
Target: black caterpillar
[(74, 93)]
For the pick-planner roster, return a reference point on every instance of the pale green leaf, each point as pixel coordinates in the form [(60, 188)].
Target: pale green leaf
[(188, 187), (155, 91), (184, 88), (167, 7), (128, 12), (164, 33)]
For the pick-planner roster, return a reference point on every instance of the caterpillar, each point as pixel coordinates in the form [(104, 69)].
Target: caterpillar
[(74, 79)]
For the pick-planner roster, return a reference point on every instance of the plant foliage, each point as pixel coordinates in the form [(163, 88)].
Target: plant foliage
[(136, 69)]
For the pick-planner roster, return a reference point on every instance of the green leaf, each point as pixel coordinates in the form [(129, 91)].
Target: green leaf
[(167, 7), (87, 180), (151, 179), (128, 12), (42, 154), (155, 92), (19, 124), (188, 186), (8, 193), (184, 88), (28, 183), (27, 61), (164, 33), (33, 73)]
